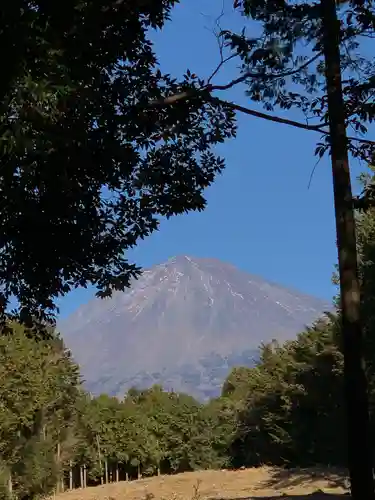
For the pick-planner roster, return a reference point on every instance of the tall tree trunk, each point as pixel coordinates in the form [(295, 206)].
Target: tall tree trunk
[(106, 470), (356, 397), (70, 475), (10, 485), (84, 476), (139, 471), (100, 459), (117, 473), (60, 482), (81, 476)]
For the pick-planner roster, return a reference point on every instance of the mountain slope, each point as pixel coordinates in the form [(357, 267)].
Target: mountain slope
[(184, 324)]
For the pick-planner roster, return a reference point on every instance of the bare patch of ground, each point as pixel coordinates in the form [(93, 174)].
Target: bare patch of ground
[(265, 483)]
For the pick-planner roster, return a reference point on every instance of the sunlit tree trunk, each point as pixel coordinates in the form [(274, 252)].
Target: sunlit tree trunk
[(70, 475), (60, 482), (10, 485)]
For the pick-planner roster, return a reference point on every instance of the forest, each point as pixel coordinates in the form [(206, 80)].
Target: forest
[(286, 411)]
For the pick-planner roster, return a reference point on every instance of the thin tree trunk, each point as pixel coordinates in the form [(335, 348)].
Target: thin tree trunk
[(10, 485), (60, 482), (139, 471), (358, 427), (117, 473), (100, 459), (70, 475), (84, 476), (106, 470), (81, 475), (126, 476)]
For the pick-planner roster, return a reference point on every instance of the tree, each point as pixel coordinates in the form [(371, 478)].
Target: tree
[(86, 169), (40, 388), (365, 222), (309, 59), (219, 422), (292, 413)]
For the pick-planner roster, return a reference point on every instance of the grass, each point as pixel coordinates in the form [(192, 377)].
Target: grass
[(258, 483)]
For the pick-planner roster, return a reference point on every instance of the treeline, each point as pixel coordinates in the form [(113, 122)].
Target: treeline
[(53, 436)]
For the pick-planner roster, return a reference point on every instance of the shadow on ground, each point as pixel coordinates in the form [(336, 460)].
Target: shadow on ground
[(300, 480), (287, 478), (309, 496)]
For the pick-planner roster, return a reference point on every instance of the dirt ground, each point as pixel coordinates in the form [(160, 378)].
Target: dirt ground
[(258, 483)]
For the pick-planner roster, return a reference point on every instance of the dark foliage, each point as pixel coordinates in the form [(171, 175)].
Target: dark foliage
[(87, 166)]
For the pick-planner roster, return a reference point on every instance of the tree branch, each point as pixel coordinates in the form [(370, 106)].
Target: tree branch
[(250, 74), (291, 72), (221, 45), (173, 99), (285, 121), (218, 68), (266, 116)]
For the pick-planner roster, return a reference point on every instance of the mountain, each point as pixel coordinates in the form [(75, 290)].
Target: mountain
[(184, 324)]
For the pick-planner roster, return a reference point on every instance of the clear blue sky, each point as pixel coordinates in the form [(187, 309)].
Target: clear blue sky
[(261, 216)]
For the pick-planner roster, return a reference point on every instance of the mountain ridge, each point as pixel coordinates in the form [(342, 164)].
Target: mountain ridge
[(179, 323)]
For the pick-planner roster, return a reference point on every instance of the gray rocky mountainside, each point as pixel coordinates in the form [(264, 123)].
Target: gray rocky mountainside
[(183, 324)]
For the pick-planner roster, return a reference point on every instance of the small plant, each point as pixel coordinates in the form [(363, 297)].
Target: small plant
[(196, 494)]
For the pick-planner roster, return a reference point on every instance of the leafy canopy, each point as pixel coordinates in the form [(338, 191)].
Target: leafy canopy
[(88, 167)]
